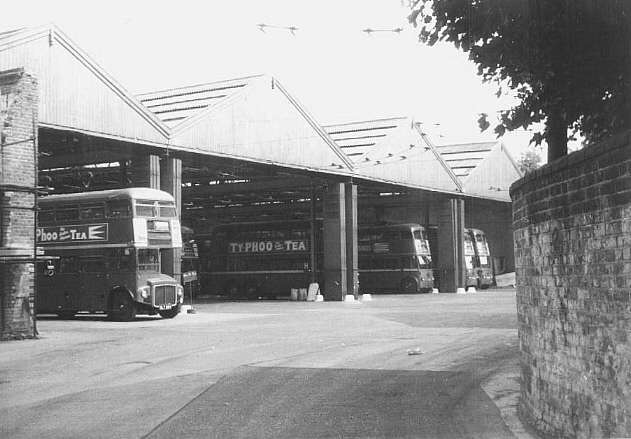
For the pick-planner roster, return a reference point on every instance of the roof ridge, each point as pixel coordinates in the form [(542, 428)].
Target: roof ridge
[(199, 85)]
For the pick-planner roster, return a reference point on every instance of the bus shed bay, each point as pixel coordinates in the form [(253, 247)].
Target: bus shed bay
[(244, 150)]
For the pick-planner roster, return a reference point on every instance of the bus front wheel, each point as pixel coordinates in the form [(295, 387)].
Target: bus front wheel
[(122, 307), (409, 285), (66, 315), (170, 313)]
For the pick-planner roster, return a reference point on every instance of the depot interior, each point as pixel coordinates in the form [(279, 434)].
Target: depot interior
[(245, 150)]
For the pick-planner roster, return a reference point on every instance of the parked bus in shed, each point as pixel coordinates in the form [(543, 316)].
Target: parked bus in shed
[(258, 259), (394, 258), (477, 259), (107, 247), (268, 259)]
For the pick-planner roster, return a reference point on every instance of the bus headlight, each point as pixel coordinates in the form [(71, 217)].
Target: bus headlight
[(180, 293), (144, 292)]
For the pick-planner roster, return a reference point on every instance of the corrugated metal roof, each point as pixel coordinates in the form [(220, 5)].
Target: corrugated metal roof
[(74, 91), (393, 150), (251, 117), (358, 139), (463, 158), (173, 106)]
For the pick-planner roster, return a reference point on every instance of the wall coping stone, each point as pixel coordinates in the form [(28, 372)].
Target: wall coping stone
[(614, 143)]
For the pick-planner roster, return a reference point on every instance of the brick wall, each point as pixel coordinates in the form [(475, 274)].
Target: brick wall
[(18, 113), (572, 236)]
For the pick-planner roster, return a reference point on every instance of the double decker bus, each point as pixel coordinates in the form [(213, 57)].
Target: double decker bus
[(105, 253), (477, 259), (269, 258), (394, 258), (258, 259)]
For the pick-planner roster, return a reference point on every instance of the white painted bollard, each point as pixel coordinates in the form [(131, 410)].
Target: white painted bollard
[(312, 292), (435, 291), (471, 290), (319, 298), (302, 294), (366, 297), (349, 298), (460, 291)]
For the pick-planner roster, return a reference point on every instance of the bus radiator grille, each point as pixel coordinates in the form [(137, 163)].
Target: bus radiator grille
[(164, 294)]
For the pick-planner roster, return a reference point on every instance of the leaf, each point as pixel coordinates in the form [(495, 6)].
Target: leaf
[(554, 55), (500, 130), (483, 123)]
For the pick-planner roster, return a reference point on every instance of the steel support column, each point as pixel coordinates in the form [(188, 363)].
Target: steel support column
[(171, 182), (144, 171), (451, 245), (350, 204), (335, 261)]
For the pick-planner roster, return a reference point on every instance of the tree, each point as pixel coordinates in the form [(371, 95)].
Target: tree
[(568, 61), (529, 161)]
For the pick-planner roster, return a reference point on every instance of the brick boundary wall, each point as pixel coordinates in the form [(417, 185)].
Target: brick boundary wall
[(18, 143), (572, 236)]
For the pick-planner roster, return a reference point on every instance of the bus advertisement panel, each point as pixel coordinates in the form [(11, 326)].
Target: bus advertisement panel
[(104, 248)]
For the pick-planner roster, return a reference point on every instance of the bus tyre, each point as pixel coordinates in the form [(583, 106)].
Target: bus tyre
[(170, 313), (232, 290), (122, 307), (409, 285)]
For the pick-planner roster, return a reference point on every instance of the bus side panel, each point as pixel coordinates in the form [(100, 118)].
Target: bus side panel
[(60, 291), (379, 280), (253, 284), (95, 288)]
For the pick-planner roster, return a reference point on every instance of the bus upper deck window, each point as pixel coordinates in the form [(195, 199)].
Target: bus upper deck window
[(420, 234), (167, 209), (46, 216), (118, 210), (67, 215), (145, 209), (92, 212)]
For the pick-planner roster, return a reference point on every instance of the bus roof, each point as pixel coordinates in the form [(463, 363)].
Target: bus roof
[(403, 226), (143, 193)]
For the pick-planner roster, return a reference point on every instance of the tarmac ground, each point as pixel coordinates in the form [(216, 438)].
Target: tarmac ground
[(399, 366)]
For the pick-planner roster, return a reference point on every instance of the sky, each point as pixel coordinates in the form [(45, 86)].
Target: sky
[(336, 71)]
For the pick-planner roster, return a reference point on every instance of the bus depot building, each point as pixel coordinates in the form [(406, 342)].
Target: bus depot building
[(242, 152)]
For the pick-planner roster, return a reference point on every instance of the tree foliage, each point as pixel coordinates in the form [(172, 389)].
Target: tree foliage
[(568, 61), (529, 161)]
